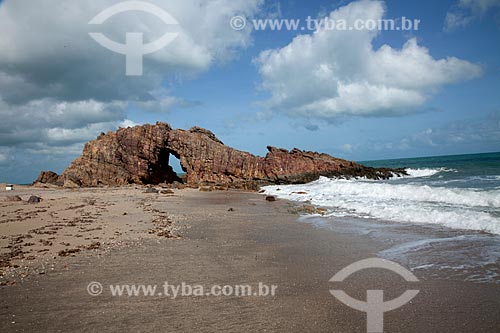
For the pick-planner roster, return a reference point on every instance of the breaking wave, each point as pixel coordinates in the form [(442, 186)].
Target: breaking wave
[(460, 208)]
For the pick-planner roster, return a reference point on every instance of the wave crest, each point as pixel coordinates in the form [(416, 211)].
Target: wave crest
[(452, 207)]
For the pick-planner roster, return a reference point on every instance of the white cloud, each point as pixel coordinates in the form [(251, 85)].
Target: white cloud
[(484, 131), (128, 123), (347, 147), (456, 20), (59, 88), (467, 11), (479, 6), (333, 73), (51, 123), (46, 50), (480, 133), (5, 156)]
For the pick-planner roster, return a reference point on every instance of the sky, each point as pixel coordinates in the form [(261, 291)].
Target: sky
[(359, 95)]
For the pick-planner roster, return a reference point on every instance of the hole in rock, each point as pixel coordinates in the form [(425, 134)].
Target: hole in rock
[(164, 169), (175, 163)]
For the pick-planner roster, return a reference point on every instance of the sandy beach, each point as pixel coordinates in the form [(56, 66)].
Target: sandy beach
[(250, 166), (51, 251)]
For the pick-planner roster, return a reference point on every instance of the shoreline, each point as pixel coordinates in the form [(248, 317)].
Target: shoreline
[(227, 238)]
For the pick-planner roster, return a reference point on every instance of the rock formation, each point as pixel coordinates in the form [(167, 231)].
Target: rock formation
[(140, 155)]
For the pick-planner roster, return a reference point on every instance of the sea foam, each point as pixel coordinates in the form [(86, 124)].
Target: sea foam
[(460, 208), (426, 172)]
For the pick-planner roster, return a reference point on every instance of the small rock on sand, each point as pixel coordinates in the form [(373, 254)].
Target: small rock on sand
[(166, 192), (270, 198), (34, 199), (93, 246), (151, 190), (206, 189)]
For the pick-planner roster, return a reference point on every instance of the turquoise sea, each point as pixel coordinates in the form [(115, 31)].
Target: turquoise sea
[(480, 171), (444, 218)]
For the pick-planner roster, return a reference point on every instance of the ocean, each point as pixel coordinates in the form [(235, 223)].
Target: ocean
[(443, 219)]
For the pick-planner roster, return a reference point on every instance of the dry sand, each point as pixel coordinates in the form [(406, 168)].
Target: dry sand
[(67, 222), (227, 238)]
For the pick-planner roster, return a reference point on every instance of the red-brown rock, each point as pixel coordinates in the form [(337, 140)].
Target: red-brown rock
[(49, 177), (140, 155)]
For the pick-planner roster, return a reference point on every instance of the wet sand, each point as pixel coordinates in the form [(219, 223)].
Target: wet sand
[(227, 238)]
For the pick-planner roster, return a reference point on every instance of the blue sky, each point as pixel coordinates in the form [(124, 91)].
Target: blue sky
[(214, 78), (466, 100)]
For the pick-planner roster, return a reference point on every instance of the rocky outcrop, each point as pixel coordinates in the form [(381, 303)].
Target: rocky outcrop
[(49, 177), (140, 155)]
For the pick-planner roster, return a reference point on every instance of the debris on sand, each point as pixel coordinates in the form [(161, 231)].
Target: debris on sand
[(308, 209), (91, 202), (13, 198), (67, 252), (91, 246), (75, 207)]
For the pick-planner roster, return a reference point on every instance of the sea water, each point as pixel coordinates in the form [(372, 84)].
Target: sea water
[(443, 218)]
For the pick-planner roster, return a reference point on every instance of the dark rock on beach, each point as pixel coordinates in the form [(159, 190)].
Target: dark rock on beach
[(34, 199), (167, 192), (49, 177), (140, 155)]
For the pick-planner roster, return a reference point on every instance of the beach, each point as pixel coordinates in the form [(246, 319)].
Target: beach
[(249, 166), (205, 238)]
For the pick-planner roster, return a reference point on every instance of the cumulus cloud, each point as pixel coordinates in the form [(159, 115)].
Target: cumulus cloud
[(467, 11), (332, 73), (478, 134), (43, 123), (484, 130), (59, 88), (347, 147), (47, 52), (479, 6), (3, 158)]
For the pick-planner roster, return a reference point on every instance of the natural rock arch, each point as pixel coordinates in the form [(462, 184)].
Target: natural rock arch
[(140, 155)]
